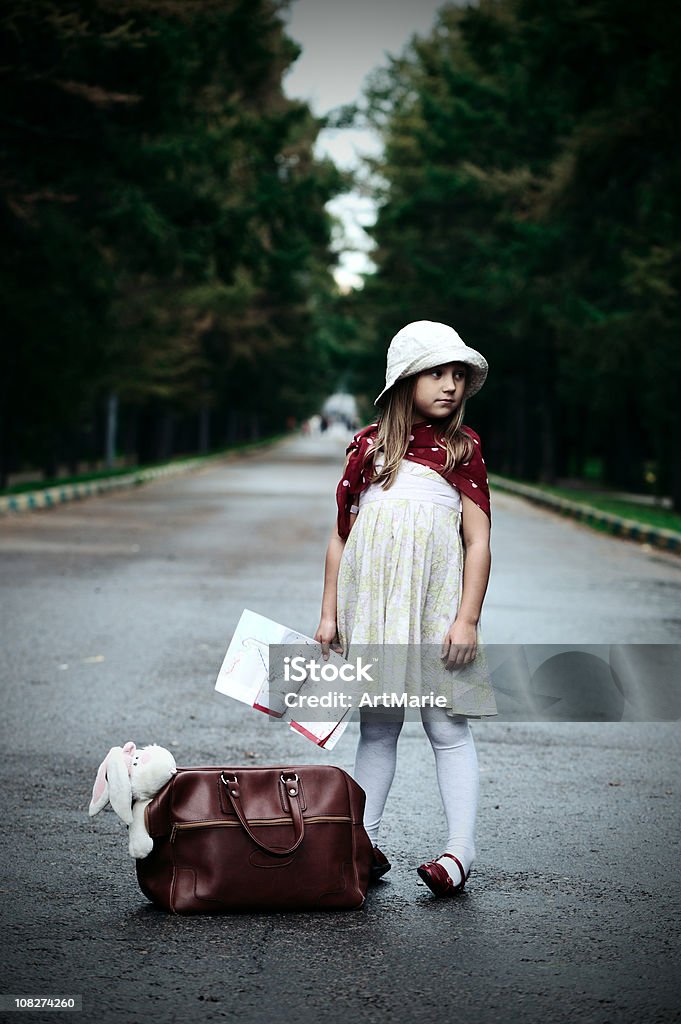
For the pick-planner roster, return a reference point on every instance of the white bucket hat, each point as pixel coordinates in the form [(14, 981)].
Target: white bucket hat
[(426, 343)]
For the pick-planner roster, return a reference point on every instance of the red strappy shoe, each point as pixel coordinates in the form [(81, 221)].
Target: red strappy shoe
[(438, 880)]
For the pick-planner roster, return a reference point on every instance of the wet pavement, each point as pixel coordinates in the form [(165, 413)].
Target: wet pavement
[(116, 615)]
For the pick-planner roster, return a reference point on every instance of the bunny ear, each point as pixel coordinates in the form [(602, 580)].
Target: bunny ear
[(100, 790), (120, 788)]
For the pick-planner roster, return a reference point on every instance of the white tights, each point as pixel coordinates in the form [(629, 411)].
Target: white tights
[(456, 763)]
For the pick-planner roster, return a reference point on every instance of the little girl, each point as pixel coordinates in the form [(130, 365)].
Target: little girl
[(414, 482)]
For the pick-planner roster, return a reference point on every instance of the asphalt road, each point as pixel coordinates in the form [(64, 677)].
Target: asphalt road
[(116, 614)]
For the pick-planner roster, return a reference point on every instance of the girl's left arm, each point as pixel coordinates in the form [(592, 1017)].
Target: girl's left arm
[(460, 643)]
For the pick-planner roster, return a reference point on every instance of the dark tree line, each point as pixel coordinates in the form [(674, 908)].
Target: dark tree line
[(165, 247), (529, 195), (166, 251)]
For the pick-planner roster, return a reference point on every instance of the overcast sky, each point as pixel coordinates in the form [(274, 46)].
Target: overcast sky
[(343, 40)]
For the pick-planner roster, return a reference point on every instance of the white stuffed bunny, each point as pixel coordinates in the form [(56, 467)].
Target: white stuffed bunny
[(128, 778)]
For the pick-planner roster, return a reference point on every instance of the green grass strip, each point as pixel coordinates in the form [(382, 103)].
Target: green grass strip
[(650, 515)]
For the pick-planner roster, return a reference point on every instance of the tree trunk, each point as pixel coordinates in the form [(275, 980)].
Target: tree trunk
[(129, 432), (164, 435), (676, 462), (624, 451), (50, 464), (111, 430), (204, 430), (519, 405), (547, 470), (232, 426)]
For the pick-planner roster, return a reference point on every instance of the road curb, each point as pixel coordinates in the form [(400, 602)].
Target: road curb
[(628, 529), (60, 494)]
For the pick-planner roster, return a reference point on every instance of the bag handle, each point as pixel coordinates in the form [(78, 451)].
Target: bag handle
[(291, 785)]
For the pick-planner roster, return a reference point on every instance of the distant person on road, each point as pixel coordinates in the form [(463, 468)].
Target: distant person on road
[(407, 569)]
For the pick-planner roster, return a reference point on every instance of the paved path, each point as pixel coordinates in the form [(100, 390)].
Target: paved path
[(116, 614)]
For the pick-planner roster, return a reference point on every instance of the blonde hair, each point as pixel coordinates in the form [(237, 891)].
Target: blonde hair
[(395, 426)]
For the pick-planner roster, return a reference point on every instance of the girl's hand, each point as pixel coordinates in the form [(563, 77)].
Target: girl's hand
[(327, 636), (460, 644)]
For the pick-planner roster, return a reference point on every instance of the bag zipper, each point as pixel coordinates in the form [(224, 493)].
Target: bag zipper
[(221, 823)]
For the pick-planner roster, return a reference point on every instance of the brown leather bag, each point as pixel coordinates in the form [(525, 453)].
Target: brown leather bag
[(233, 839)]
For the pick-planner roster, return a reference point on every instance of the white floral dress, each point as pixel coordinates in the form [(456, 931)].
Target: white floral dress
[(399, 588)]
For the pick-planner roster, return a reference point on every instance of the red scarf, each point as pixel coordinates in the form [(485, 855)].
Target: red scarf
[(469, 477)]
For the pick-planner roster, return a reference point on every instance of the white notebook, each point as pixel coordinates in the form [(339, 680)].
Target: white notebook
[(245, 676)]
